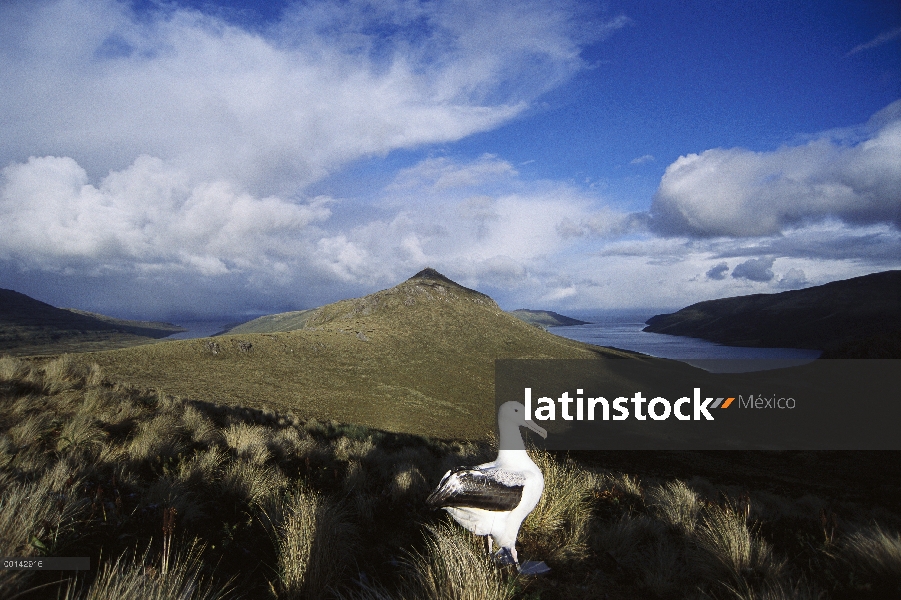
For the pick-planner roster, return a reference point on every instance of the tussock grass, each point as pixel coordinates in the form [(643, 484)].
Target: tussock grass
[(12, 369), (81, 432), (627, 540), (159, 437), (38, 518), (204, 465), (249, 442), (31, 427), (454, 566), (558, 527), (251, 482), (627, 485), (729, 547), (324, 509), (178, 577), (315, 542), (201, 428), (676, 504), (876, 554)]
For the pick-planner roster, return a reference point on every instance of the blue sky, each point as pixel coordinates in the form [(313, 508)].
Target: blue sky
[(196, 159)]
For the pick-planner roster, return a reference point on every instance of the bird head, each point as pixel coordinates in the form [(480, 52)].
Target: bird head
[(515, 412)]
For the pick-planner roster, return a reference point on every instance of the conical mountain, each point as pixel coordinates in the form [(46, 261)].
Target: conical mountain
[(418, 358)]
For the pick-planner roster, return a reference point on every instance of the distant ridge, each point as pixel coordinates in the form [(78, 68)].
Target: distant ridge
[(545, 318), (29, 326), (851, 318)]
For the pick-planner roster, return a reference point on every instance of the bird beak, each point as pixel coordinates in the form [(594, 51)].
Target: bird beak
[(539, 430)]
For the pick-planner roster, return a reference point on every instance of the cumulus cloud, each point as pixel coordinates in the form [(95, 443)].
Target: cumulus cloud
[(718, 271), (755, 269), (738, 192), (642, 159), (175, 145), (793, 279), (146, 217), (477, 219)]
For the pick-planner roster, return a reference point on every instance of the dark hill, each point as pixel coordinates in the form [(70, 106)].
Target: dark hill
[(852, 318), (545, 318), (29, 326)]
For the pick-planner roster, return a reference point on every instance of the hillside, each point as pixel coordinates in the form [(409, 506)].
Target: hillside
[(29, 326), (545, 318), (415, 358), (853, 318)]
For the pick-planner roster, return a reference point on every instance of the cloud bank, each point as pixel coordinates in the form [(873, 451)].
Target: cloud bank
[(275, 109), (742, 193), (164, 162)]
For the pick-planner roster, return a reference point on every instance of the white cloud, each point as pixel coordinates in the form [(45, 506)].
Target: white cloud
[(479, 221), (737, 192), (642, 159), (274, 109), (145, 217), (174, 145), (793, 279)]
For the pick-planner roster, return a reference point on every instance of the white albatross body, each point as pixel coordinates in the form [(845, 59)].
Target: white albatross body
[(494, 499)]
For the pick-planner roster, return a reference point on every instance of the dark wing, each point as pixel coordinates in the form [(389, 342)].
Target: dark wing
[(472, 488)]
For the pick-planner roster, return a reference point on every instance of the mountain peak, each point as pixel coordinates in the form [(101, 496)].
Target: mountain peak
[(430, 273), (430, 276)]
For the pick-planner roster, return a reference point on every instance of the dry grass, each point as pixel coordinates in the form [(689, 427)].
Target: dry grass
[(731, 549), (558, 527), (401, 377), (38, 518), (159, 437), (173, 578), (320, 509), (876, 553), (676, 504), (315, 542), (250, 442), (251, 482), (12, 369), (454, 566)]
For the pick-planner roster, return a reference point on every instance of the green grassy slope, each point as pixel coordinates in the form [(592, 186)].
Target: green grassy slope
[(547, 318), (287, 321), (416, 358), (835, 316), (29, 326)]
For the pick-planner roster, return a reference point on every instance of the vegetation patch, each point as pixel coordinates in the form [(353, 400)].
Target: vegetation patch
[(177, 498)]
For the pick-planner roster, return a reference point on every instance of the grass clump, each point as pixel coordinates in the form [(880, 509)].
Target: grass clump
[(314, 542), (729, 548), (558, 527), (176, 577), (874, 554), (676, 504), (454, 566)]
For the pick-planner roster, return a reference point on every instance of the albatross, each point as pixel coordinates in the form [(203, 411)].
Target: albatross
[(493, 499)]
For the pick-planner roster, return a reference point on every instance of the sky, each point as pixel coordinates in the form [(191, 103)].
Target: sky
[(194, 159)]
